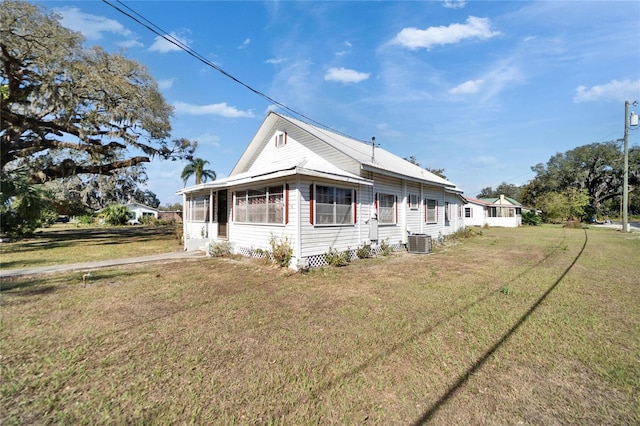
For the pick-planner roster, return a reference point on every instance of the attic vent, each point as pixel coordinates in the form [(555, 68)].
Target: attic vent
[(281, 139), (419, 243)]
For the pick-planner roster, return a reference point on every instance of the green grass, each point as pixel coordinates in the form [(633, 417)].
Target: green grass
[(402, 339), (71, 244)]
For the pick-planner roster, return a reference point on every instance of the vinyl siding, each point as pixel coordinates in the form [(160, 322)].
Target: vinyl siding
[(317, 239)]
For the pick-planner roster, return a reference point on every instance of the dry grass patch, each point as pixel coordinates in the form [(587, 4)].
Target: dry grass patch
[(396, 340), (70, 244)]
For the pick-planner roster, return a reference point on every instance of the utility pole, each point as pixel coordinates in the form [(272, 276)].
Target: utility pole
[(625, 180)]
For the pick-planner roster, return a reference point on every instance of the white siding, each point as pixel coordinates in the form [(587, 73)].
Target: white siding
[(301, 145), (478, 215), (393, 234), (438, 228), (317, 239)]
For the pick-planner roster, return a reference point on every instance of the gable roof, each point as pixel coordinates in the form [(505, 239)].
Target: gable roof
[(493, 201), (374, 159), (140, 205)]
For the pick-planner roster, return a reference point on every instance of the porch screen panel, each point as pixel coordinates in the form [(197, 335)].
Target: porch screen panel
[(275, 205), (200, 209), (257, 206), (240, 211), (260, 205)]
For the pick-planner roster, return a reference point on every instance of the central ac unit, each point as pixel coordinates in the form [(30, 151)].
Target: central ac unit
[(419, 243)]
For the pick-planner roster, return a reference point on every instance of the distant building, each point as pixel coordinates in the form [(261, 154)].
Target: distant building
[(501, 212), (138, 211)]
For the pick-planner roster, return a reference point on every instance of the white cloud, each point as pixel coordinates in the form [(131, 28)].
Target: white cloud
[(414, 38), (128, 44), (221, 109), (454, 4), (208, 139), (345, 75), (614, 90), (166, 83), (245, 43), (163, 45), (347, 49), (90, 26), (275, 61), (468, 87)]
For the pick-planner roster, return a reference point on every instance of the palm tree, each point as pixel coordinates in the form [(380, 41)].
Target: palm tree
[(196, 167)]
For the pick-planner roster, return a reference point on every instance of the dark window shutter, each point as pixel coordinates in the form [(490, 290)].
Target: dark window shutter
[(311, 204), (286, 203), (355, 206)]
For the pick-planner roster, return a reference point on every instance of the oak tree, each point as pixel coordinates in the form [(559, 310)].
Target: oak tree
[(67, 110)]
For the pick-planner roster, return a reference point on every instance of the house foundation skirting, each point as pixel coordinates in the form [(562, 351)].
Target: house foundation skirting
[(314, 261)]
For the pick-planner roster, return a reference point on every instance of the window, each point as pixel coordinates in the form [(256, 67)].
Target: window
[(386, 209), (281, 139), (468, 212), (501, 212), (333, 206), (200, 208), (447, 213), (263, 205), (432, 211), (413, 202)]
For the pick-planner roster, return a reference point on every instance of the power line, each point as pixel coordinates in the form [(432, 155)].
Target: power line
[(182, 46)]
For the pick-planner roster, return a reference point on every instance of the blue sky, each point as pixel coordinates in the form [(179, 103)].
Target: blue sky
[(483, 89)]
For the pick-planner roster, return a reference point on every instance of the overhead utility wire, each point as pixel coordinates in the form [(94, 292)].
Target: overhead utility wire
[(165, 35)]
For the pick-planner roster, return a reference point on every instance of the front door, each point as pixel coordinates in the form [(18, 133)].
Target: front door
[(222, 214)]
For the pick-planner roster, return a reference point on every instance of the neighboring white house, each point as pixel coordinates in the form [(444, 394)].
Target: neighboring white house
[(502, 211), (318, 190), (138, 211)]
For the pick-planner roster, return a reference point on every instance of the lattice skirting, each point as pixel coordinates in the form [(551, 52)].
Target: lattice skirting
[(315, 261), (252, 252)]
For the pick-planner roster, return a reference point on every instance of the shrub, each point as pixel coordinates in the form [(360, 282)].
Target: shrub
[(364, 251), (385, 248), (337, 258), (281, 250), (531, 218), (466, 232), (219, 249), (116, 214), (86, 220), (179, 233)]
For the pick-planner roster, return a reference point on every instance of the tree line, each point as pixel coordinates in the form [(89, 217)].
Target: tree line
[(583, 183)]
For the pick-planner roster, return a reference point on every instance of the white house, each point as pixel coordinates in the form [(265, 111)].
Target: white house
[(501, 212), (138, 211), (318, 190)]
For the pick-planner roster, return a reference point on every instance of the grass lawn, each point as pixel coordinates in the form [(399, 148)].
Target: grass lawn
[(516, 326), (66, 243)]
